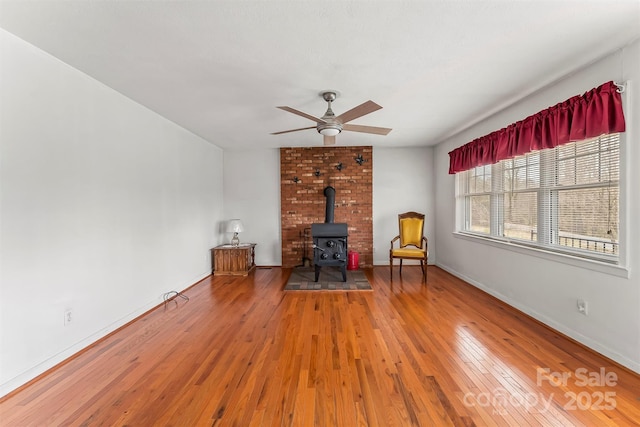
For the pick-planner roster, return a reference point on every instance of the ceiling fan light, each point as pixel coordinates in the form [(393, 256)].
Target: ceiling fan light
[(329, 130)]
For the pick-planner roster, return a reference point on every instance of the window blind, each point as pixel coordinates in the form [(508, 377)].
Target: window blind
[(564, 198)]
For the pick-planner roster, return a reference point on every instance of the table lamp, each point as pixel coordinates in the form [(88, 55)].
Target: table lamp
[(235, 226)]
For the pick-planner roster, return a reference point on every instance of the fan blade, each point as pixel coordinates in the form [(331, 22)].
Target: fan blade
[(359, 111), (329, 140), (292, 130), (300, 113), (366, 129)]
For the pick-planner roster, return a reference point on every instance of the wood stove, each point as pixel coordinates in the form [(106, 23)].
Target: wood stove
[(329, 240)]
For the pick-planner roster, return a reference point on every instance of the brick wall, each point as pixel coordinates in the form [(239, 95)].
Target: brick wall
[(303, 203)]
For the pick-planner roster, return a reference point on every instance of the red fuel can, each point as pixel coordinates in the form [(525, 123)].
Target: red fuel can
[(354, 259)]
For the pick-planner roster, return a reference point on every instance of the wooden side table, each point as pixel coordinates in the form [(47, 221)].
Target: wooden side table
[(234, 260)]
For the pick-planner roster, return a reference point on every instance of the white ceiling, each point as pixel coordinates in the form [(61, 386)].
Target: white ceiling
[(219, 68)]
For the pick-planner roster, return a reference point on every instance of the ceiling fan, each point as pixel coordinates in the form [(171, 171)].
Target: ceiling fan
[(330, 125)]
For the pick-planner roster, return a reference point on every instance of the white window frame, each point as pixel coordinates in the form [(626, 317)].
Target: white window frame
[(608, 264)]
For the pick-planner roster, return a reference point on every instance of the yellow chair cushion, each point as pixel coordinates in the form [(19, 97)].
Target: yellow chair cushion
[(408, 253), (411, 231)]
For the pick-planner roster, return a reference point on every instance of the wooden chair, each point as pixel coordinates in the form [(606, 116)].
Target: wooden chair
[(413, 243)]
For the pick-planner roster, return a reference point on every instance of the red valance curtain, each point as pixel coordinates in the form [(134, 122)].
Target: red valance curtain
[(597, 112)]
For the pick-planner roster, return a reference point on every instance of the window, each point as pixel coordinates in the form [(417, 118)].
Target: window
[(563, 199)]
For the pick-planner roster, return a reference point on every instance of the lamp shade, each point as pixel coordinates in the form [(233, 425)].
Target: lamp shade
[(235, 226), (330, 131)]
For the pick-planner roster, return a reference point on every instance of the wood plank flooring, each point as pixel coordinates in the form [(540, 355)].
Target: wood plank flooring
[(242, 352)]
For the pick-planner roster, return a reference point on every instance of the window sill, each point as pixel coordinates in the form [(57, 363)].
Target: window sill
[(591, 264)]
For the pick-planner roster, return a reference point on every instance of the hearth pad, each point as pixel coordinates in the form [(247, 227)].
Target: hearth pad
[(302, 279)]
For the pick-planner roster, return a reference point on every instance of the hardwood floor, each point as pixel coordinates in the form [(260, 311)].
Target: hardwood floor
[(242, 352)]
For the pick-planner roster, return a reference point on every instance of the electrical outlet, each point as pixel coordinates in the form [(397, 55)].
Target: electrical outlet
[(583, 306), (68, 316)]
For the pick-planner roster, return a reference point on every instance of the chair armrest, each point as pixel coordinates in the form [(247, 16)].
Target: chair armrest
[(395, 239)]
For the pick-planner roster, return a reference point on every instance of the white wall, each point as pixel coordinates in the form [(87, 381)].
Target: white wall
[(403, 180), (252, 193), (547, 287), (105, 206)]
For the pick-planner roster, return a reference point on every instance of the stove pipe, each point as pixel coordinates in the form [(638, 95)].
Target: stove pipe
[(330, 194)]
